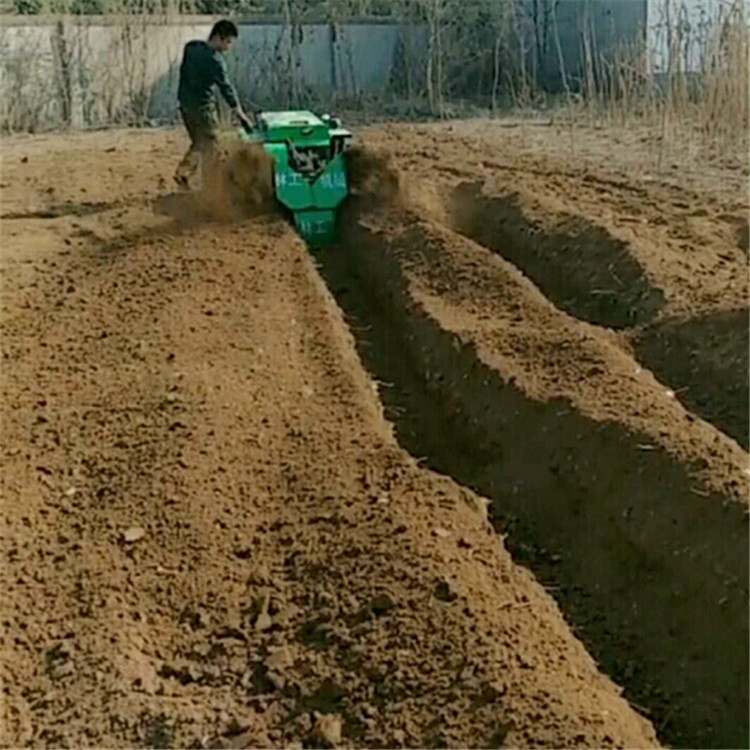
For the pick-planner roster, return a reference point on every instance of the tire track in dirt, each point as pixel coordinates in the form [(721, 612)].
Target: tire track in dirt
[(629, 507), (210, 535)]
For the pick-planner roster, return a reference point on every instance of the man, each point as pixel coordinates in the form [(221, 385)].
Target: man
[(202, 68)]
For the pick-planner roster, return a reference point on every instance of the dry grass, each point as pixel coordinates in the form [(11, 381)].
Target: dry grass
[(693, 107)]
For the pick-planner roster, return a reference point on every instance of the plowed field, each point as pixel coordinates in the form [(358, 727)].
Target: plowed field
[(476, 476)]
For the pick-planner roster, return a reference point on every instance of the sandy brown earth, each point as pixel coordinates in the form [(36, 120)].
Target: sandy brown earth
[(243, 486)]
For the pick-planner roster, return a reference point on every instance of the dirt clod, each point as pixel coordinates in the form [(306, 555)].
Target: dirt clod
[(133, 534), (327, 729), (263, 621), (279, 659), (382, 603), (445, 592)]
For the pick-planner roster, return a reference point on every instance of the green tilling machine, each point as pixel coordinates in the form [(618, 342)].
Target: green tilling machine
[(310, 176)]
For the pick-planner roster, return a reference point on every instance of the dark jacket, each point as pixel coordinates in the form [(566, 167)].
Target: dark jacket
[(201, 69)]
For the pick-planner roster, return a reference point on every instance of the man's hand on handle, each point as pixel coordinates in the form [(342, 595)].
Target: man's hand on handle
[(244, 120)]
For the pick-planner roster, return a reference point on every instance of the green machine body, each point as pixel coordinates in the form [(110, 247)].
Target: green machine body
[(310, 175)]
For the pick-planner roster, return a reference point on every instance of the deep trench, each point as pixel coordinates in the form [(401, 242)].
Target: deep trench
[(579, 266), (594, 277), (706, 361), (651, 577)]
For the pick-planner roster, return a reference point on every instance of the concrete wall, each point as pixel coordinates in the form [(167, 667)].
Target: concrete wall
[(602, 24), (96, 70), (104, 71)]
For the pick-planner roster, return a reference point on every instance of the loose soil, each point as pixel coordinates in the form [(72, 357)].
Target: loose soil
[(218, 528)]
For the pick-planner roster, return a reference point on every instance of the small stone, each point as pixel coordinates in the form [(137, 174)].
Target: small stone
[(441, 533), (328, 729), (133, 534), (399, 737), (263, 622)]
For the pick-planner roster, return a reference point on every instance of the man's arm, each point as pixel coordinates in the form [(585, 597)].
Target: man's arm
[(225, 87), (228, 92)]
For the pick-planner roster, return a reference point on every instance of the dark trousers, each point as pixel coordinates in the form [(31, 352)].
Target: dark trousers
[(202, 127)]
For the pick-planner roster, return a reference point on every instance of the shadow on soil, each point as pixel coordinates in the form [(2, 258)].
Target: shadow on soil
[(743, 237), (592, 276), (651, 575), (581, 268), (705, 361), (58, 210)]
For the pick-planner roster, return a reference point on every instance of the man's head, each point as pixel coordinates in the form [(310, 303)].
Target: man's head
[(223, 35)]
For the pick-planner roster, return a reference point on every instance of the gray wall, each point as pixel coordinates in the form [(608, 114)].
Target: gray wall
[(603, 24), (102, 72)]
